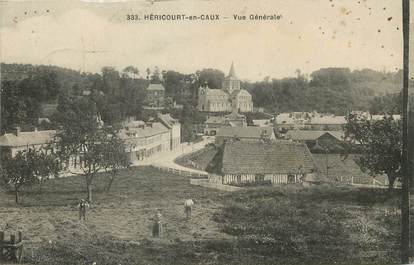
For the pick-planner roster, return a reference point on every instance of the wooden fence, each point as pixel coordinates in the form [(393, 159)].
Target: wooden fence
[(218, 186), (180, 172), (11, 250), (362, 181)]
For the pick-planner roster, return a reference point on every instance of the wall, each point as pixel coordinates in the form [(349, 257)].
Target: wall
[(274, 178)]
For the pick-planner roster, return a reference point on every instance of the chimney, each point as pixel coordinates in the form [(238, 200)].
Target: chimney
[(16, 131)]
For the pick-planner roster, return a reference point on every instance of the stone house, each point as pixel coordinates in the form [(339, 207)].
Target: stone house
[(175, 129), (155, 96), (214, 123), (143, 139), (12, 143)]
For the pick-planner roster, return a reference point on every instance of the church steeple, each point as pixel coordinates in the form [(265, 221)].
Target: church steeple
[(231, 82), (232, 73)]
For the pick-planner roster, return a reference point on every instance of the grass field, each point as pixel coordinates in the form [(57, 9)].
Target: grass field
[(273, 225)]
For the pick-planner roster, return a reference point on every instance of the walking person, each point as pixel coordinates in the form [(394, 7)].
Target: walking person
[(157, 225), (188, 206), (82, 209)]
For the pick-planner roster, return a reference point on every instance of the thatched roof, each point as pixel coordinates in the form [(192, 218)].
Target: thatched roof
[(266, 158)]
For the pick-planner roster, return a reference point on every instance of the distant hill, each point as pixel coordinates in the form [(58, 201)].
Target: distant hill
[(332, 90)]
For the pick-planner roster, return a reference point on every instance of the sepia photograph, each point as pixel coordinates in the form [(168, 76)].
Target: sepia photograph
[(209, 132)]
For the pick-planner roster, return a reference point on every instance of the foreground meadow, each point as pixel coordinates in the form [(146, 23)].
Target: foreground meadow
[(268, 225)]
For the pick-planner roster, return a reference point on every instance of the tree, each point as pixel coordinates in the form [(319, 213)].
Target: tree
[(131, 70), (379, 142), (156, 75), (115, 158), (28, 167), (168, 104), (212, 77), (82, 136), (110, 78)]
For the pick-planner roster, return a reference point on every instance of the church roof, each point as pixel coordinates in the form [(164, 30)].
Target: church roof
[(216, 92)]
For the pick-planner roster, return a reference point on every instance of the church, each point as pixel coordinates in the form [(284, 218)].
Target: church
[(230, 98)]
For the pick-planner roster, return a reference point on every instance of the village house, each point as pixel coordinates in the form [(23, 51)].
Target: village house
[(214, 123), (12, 143), (279, 162), (18, 141), (318, 141), (292, 121), (145, 139), (245, 134), (175, 129), (227, 99), (262, 122), (326, 123), (309, 120), (155, 96)]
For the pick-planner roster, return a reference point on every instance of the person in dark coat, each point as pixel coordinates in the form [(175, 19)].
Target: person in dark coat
[(83, 204), (157, 225)]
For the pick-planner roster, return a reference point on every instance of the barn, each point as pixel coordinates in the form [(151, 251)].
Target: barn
[(318, 141), (279, 162)]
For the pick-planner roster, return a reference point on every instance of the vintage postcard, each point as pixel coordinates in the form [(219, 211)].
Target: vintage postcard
[(206, 131)]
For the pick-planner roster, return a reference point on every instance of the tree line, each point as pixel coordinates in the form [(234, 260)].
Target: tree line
[(27, 89)]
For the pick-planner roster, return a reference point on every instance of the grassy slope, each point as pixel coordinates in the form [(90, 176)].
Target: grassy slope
[(285, 225), (202, 157), (122, 215), (316, 225)]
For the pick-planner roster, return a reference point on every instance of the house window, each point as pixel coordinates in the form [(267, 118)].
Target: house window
[(259, 178), (291, 178)]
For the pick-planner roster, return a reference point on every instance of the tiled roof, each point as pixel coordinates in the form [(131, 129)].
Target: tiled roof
[(244, 132), (262, 123), (381, 117), (167, 120), (139, 132), (309, 118), (261, 158), (215, 119), (307, 135), (285, 118), (27, 138), (235, 115), (156, 87), (328, 120)]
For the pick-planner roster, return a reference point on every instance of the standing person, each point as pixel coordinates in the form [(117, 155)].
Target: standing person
[(82, 209), (157, 226), (188, 205)]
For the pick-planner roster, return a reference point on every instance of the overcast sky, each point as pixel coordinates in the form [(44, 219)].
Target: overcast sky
[(311, 34)]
